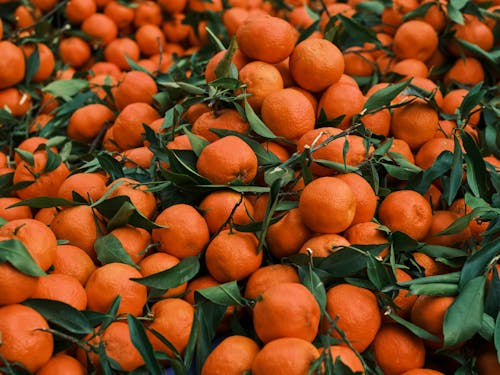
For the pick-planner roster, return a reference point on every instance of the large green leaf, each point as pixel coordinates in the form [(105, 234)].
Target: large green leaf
[(14, 252)]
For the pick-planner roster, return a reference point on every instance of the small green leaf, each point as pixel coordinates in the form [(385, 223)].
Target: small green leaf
[(339, 167), (182, 272), (61, 314), (32, 65), (256, 123), (14, 252), (496, 337), (53, 161), (434, 289), (455, 14), (477, 263), (110, 250), (493, 56), (463, 318), (377, 273), (420, 332), (311, 281), (111, 166), (473, 97), (227, 294), (383, 97), (26, 156), (197, 142), (455, 174), (143, 345), (66, 88), (223, 68), (215, 40), (45, 202), (349, 261)]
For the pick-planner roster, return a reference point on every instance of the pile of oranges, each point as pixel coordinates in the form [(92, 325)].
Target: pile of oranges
[(226, 187)]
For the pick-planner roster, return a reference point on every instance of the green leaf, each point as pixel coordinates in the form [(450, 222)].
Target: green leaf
[(111, 166), (110, 250), (492, 304), (14, 252), (383, 97), (339, 167), (463, 318), (434, 289), (256, 124), (182, 272), (26, 156), (477, 263), (143, 345), (223, 68), (420, 332), (493, 56), (349, 261), (496, 337), (422, 181), (227, 294), (215, 40), (357, 31), (375, 7), (61, 314), (270, 209), (53, 161), (311, 281), (475, 167), (455, 14), (197, 142), (449, 278), (66, 88), (45, 202), (377, 273), (455, 174), (32, 65), (474, 97)]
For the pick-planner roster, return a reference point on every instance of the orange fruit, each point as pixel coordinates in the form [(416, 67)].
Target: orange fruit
[(346, 355), (46, 61), (46, 215), (422, 371), (452, 101), (12, 213), (15, 286), (173, 6), (203, 6), (62, 288), (128, 127), (261, 79), (138, 157), (288, 113), (233, 18), (397, 349), (476, 226), (78, 10), (227, 119), (440, 221), (402, 147), (430, 150), (239, 60), (360, 319), (45, 183), (414, 123), (23, 340), (73, 261), (274, 316), (333, 150), (233, 356), (285, 356), (16, 101), (12, 66), (159, 262), (315, 64), (428, 264), (121, 14), (430, 86), (118, 347), (87, 122), (403, 300), (226, 160), (61, 363), (466, 71), (279, 242), (78, 225), (268, 276), (366, 200), (116, 51), (217, 207), (198, 283), (150, 39), (367, 234), (144, 201), (173, 319), (134, 87), (112, 280), (486, 363), (378, 123), (74, 51), (101, 28), (323, 245), (341, 99), (415, 39), (410, 68), (266, 38), (135, 241), (232, 255), (406, 211), (38, 239), (358, 62), (90, 186), (428, 313), (474, 31), (327, 205), (185, 233)]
